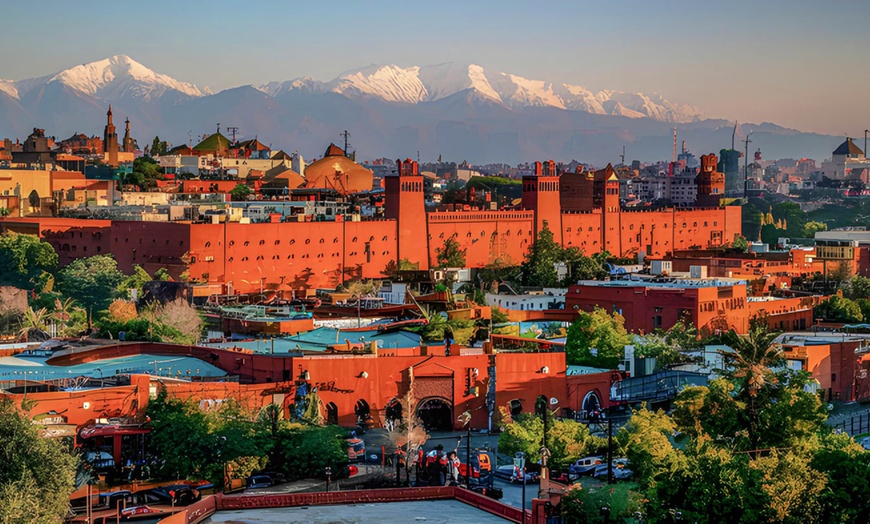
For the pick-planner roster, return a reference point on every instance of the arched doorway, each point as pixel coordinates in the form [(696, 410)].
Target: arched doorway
[(436, 414), (393, 414), (515, 407), (363, 413), (332, 414), (592, 406)]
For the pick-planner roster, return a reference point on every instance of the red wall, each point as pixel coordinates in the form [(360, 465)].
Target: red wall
[(485, 235)]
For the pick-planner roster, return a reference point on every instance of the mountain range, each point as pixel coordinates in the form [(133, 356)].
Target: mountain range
[(457, 111)]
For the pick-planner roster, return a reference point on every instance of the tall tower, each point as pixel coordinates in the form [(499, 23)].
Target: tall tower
[(129, 143), (541, 195), (404, 203), (110, 141), (711, 183)]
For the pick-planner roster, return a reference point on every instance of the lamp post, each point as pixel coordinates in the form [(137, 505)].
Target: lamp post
[(520, 466), (328, 477)]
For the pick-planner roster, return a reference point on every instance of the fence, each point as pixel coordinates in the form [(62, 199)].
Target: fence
[(855, 425)]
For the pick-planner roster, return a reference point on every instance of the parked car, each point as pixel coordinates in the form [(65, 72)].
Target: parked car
[(620, 470), (513, 474), (259, 481), (178, 494), (584, 466)]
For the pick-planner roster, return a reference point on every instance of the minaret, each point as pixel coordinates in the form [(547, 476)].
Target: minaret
[(110, 141), (128, 142)]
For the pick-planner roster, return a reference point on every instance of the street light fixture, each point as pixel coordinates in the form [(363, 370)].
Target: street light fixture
[(328, 472)]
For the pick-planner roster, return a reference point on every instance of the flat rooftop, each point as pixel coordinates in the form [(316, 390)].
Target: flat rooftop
[(667, 283), (429, 511)]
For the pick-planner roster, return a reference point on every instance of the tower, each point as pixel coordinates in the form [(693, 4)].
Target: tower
[(129, 143), (110, 141), (541, 195), (711, 183), (404, 203)]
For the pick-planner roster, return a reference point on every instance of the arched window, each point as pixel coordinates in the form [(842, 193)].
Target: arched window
[(332, 414)]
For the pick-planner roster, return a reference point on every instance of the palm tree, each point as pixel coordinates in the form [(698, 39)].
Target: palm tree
[(750, 364), (63, 311), (32, 320)]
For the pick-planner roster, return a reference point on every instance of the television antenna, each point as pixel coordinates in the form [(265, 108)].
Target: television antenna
[(233, 130)]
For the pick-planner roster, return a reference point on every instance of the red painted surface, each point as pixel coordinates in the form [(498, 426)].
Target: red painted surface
[(300, 256)]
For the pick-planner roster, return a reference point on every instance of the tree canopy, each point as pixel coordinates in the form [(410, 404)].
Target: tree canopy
[(539, 267), (450, 255), (36, 474), (91, 281), (596, 339), (240, 192), (23, 258)]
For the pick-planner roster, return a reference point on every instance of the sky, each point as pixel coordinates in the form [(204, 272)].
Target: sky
[(797, 63)]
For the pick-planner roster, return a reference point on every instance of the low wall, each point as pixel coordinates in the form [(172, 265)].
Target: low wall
[(365, 496), (196, 512)]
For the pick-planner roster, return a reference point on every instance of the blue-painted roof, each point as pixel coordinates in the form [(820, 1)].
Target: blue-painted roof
[(321, 338), (35, 367)]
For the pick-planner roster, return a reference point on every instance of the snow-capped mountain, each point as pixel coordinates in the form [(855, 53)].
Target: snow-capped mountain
[(413, 85), (108, 79)]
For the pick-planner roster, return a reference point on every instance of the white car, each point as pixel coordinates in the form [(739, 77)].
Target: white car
[(865, 443)]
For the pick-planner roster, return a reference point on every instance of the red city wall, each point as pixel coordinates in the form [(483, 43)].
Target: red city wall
[(485, 235)]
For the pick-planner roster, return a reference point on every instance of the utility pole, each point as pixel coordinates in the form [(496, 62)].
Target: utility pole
[(746, 143), (865, 142), (622, 156), (346, 135), (233, 130)]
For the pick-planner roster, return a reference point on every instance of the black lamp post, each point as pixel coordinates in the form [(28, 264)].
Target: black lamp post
[(328, 477)]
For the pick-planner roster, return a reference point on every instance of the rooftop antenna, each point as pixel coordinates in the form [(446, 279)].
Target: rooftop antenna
[(746, 164), (675, 145), (733, 133), (622, 156), (190, 139), (346, 135), (233, 130)]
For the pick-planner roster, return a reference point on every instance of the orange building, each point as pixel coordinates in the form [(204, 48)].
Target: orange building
[(711, 306), (303, 255)]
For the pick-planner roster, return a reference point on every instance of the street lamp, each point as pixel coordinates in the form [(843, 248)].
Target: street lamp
[(328, 477)]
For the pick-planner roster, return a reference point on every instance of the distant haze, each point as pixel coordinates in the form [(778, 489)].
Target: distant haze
[(796, 63)]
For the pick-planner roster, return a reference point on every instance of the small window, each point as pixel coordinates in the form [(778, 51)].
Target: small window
[(208, 244)]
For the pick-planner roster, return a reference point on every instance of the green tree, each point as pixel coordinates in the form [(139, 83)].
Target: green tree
[(91, 281), (146, 173), (859, 287), (750, 364), (539, 267), (596, 339), (450, 255), (669, 347), (497, 271), (740, 243), (240, 192), (306, 451), (839, 309), (23, 258), (36, 474), (33, 321), (136, 280), (567, 440), (646, 441), (812, 227), (158, 147)]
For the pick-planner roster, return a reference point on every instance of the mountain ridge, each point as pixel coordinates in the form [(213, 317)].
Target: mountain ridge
[(460, 111)]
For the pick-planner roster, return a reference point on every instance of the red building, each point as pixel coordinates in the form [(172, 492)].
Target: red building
[(711, 306), (303, 255)]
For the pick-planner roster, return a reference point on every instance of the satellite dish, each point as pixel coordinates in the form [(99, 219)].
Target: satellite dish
[(553, 401)]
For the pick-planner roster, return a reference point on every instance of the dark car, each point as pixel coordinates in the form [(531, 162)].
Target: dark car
[(177, 494), (258, 481)]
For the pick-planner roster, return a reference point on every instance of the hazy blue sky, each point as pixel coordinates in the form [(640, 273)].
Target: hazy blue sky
[(797, 63)]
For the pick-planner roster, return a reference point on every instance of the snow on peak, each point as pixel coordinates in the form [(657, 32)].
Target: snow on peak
[(391, 83), (8, 87), (413, 85), (119, 75)]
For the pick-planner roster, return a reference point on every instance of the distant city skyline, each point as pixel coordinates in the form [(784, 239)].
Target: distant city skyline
[(787, 62)]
